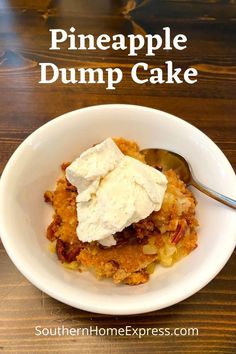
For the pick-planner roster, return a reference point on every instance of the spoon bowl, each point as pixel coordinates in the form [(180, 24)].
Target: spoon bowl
[(166, 160)]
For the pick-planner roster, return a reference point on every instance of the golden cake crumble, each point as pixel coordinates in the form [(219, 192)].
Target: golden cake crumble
[(163, 237)]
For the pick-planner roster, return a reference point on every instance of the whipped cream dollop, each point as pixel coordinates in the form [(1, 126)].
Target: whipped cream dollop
[(114, 191)]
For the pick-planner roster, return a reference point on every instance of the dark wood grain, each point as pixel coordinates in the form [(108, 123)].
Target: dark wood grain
[(25, 105)]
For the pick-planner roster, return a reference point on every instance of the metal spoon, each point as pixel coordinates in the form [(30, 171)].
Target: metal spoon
[(165, 160)]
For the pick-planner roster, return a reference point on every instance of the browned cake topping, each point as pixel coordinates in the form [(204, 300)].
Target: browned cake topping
[(164, 236)]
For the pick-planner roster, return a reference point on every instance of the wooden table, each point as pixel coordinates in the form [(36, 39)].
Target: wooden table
[(25, 105)]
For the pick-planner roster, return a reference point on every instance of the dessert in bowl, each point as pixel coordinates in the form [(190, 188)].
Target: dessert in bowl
[(129, 215), (34, 168)]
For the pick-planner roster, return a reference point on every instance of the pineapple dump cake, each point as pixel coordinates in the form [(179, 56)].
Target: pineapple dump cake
[(118, 217)]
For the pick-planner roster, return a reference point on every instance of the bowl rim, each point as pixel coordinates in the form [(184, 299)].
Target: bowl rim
[(145, 307)]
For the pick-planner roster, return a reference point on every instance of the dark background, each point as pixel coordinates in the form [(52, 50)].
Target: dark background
[(26, 105)]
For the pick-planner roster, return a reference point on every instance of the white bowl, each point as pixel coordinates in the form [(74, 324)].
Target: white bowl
[(34, 168)]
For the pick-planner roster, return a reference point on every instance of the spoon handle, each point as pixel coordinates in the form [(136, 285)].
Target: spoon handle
[(213, 194)]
